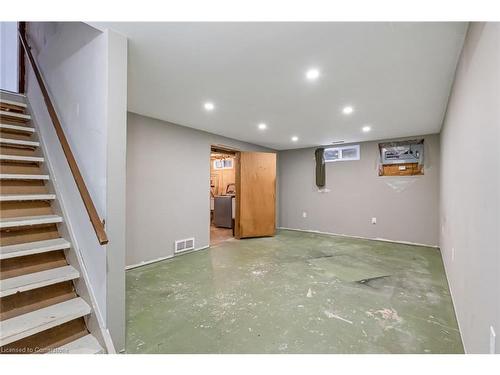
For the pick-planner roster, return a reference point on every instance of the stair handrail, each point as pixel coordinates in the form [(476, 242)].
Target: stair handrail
[(98, 225)]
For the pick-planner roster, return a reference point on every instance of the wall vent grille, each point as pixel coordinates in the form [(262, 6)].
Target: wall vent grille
[(184, 245)]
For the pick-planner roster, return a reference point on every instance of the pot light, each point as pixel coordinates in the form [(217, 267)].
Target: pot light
[(209, 106), (295, 138), (262, 126), (347, 110), (312, 74), (366, 128)]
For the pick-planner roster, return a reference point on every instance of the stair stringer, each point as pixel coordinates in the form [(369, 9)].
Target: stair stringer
[(94, 321)]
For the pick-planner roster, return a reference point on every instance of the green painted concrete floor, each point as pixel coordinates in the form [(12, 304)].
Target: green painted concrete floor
[(293, 293)]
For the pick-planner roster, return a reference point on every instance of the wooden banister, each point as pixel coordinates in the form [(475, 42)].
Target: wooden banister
[(80, 183)]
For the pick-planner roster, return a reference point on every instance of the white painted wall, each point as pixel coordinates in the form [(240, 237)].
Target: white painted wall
[(72, 57), (168, 185), (470, 188), (8, 56), (86, 74), (116, 171)]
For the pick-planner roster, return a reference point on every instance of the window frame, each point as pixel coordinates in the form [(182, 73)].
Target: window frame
[(341, 152), (223, 161)]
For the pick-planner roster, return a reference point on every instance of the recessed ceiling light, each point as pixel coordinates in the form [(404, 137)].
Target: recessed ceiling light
[(295, 138), (347, 110), (209, 106), (262, 126), (312, 74), (366, 128)]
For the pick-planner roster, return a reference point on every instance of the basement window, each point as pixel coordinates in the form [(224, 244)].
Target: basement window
[(342, 153), (223, 164)]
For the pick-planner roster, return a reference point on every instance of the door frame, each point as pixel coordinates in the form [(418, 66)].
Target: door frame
[(237, 203), (236, 153)]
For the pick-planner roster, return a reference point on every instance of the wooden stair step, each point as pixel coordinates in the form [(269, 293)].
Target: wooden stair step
[(84, 345), (30, 248), (19, 142), (12, 93), (25, 325), (16, 115), (26, 197), (37, 280), (13, 222), (19, 176), (22, 159), (17, 128), (19, 116), (12, 102)]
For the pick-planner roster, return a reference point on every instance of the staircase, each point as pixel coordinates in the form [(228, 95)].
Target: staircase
[(40, 310)]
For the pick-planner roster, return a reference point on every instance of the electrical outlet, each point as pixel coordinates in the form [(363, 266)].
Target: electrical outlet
[(374, 220), (304, 214), (493, 339), (452, 254)]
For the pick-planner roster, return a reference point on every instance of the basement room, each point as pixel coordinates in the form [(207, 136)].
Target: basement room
[(250, 188)]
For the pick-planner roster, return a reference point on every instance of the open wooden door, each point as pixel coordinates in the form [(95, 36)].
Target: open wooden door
[(255, 194)]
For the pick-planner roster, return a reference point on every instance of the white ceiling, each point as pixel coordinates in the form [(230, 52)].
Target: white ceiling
[(397, 76)]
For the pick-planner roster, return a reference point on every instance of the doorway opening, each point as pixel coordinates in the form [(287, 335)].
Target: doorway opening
[(222, 194), (242, 194)]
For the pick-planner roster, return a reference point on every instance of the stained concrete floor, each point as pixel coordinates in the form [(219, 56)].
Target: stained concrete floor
[(293, 293)]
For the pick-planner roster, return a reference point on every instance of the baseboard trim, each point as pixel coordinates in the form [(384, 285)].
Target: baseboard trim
[(148, 262), (191, 251), (359, 237)]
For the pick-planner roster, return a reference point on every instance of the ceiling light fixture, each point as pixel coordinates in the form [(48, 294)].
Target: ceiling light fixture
[(347, 110), (209, 106), (312, 74), (262, 126), (366, 128), (295, 138)]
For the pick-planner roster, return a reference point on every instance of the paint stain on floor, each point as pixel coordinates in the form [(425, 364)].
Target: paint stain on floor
[(293, 293)]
